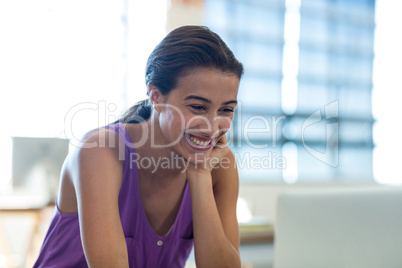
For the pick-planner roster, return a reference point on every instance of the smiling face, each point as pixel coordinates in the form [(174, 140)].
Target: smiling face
[(195, 114)]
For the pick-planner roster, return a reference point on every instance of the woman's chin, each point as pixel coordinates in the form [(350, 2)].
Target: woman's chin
[(196, 157), (191, 154)]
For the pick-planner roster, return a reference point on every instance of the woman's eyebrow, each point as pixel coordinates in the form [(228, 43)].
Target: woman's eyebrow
[(194, 97), (230, 102)]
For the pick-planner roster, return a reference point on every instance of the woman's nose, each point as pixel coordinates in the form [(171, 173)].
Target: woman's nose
[(217, 124)]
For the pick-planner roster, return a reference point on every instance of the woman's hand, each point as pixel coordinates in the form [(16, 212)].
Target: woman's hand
[(205, 164)]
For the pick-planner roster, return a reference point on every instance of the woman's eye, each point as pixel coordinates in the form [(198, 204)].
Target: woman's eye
[(198, 107), (227, 110)]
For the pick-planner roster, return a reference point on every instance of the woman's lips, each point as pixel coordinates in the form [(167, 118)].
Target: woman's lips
[(199, 143)]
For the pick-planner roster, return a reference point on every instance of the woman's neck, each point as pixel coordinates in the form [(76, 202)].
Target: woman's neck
[(153, 157)]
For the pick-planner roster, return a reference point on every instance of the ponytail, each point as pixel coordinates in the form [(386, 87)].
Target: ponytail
[(138, 112)]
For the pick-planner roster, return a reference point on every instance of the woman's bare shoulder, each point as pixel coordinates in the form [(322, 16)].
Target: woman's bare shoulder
[(93, 161), (98, 149)]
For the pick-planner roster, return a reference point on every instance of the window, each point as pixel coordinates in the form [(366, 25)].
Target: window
[(305, 101), (70, 66)]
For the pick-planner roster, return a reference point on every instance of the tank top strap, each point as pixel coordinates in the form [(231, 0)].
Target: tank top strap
[(121, 130), (129, 188)]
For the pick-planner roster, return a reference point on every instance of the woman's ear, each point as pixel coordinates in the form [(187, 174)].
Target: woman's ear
[(155, 97)]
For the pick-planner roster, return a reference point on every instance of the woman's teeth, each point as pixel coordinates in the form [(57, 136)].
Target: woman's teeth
[(198, 142)]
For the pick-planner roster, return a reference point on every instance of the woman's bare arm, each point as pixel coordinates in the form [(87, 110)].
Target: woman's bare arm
[(216, 233), (97, 176)]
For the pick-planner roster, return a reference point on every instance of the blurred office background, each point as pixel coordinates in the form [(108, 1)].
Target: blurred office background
[(318, 102)]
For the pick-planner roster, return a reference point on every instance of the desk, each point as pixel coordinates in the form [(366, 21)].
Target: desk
[(253, 255), (29, 212)]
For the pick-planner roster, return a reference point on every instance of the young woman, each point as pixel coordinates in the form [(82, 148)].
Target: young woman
[(141, 191)]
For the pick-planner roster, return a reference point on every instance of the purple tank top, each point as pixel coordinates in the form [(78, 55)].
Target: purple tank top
[(62, 245)]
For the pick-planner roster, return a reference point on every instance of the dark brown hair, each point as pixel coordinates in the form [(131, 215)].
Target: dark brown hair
[(181, 51)]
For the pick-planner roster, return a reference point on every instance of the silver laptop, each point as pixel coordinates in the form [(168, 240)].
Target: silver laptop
[(359, 228)]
